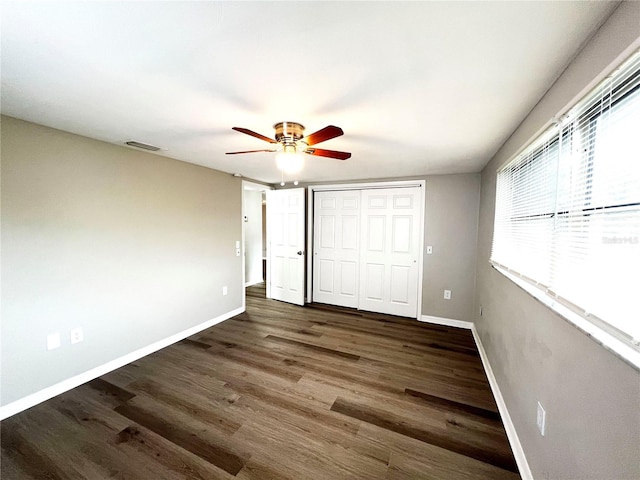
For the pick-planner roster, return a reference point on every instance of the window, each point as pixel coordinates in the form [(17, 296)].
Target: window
[(568, 208)]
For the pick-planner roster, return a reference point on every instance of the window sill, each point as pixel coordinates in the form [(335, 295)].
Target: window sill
[(623, 351)]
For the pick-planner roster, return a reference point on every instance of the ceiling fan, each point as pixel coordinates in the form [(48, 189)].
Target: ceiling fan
[(289, 138)]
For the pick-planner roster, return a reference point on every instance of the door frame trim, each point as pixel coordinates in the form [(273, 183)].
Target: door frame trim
[(311, 189)]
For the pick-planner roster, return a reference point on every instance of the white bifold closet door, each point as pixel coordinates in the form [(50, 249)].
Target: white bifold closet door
[(366, 249), (336, 244), (390, 250)]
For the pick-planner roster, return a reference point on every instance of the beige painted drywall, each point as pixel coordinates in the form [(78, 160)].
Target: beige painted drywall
[(592, 398), (130, 246), (451, 228)]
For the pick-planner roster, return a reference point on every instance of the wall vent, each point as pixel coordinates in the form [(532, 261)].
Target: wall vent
[(144, 146)]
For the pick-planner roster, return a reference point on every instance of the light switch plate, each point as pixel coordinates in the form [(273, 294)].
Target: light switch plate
[(53, 341), (541, 419)]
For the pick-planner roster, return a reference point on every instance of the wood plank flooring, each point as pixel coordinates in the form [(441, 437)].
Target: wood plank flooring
[(279, 392)]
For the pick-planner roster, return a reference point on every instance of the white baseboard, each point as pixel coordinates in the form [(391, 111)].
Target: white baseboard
[(77, 380), (449, 322), (253, 282), (514, 441)]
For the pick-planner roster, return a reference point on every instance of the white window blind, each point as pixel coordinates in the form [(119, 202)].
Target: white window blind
[(568, 207)]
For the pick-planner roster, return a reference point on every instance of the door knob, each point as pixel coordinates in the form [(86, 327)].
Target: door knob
[(300, 252)]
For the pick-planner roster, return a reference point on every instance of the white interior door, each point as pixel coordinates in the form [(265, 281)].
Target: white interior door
[(285, 237), (336, 247), (390, 250)]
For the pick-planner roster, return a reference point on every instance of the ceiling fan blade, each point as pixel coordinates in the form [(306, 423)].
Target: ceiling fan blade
[(254, 134), (250, 151), (327, 133), (328, 153)]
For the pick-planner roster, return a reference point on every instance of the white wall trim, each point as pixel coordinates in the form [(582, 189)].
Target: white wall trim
[(514, 441), (77, 380), (449, 322)]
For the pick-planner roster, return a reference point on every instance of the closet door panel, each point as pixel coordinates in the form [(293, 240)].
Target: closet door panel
[(336, 248), (390, 251)]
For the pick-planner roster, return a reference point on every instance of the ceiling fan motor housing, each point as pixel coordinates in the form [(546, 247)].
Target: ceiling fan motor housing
[(288, 132)]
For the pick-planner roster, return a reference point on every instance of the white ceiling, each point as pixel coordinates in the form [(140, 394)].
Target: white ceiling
[(419, 87)]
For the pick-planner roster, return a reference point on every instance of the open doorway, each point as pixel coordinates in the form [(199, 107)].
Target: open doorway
[(254, 237)]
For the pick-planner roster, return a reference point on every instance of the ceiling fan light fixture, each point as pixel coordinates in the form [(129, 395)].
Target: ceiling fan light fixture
[(290, 145), (289, 161)]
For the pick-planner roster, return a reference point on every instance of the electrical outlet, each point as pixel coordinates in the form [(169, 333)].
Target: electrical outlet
[(541, 419), (447, 294), (224, 290), (53, 341), (76, 335)]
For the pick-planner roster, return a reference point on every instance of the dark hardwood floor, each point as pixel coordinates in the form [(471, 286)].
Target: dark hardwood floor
[(279, 392)]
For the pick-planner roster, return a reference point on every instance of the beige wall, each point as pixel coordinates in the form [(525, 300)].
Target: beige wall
[(134, 248), (592, 398), (130, 246), (451, 228)]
